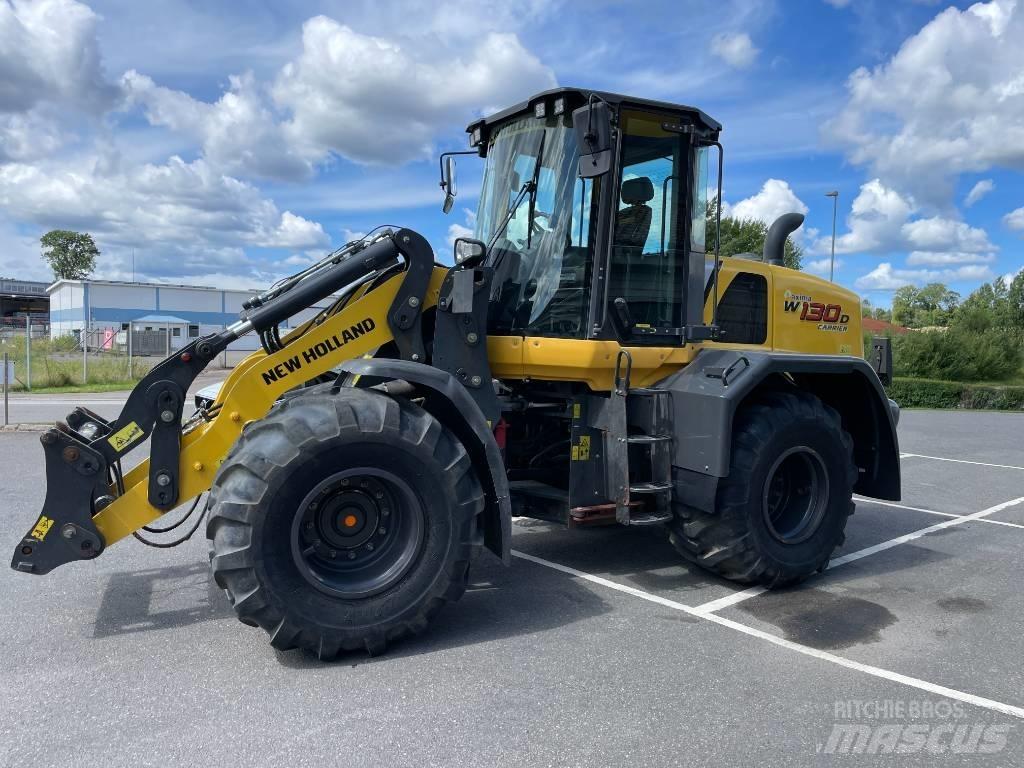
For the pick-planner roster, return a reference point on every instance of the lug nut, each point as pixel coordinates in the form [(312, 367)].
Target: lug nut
[(351, 555), (68, 531), (472, 338), (385, 512), (334, 553), (167, 417), (414, 301), (382, 531), (475, 381), (379, 494), (369, 547), (163, 479)]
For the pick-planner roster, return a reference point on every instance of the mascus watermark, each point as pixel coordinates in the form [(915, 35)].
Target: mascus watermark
[(899, 726)]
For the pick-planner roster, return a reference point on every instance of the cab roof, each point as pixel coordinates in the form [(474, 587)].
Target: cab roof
[(577, 97)]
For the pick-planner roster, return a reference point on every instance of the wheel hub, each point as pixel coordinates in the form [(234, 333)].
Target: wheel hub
[(357, 532), (795, 495)]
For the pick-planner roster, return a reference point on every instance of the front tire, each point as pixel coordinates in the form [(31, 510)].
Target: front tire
[(343, 522), (783, 508)]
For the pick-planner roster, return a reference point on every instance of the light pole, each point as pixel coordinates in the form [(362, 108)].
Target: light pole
[(834, 194)]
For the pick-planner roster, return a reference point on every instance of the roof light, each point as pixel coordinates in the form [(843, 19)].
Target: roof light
[(559, 105), (539, 109), (475, 137)]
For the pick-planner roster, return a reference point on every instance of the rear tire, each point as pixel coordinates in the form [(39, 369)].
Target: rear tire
[(783, 508), (343, 522)]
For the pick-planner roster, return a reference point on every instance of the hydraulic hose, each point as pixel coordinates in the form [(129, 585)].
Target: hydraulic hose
[(317, 287)]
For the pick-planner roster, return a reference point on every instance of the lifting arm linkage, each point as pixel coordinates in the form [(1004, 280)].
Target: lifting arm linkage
[(90, 505)]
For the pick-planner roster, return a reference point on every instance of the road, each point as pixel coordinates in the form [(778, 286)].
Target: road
[(28, 408), (597, 647)]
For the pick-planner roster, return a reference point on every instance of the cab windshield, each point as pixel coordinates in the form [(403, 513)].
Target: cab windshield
[(541, 260)]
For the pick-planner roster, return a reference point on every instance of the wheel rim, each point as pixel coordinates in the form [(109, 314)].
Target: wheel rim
[(795, 495), (358, 532)]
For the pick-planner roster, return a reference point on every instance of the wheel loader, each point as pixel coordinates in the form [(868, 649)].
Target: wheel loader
[(589, 360)]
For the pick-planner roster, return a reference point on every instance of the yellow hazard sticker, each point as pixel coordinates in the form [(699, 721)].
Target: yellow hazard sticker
[(584, 447), (575, 410), (42, 528), (125, 436), (575, 453)]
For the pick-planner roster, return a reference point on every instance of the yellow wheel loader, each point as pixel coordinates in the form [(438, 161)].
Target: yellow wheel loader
[(588, 360)]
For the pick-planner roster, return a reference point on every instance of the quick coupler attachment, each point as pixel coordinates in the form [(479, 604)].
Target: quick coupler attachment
[(76, 487)]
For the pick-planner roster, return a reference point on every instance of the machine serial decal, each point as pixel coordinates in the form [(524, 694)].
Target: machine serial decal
[(318, 350), (125, 436), (829, 317)]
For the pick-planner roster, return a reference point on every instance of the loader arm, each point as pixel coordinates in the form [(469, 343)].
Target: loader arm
[(89, 505)]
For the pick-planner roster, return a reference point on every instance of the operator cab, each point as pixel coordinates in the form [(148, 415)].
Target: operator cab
[(592, 213)]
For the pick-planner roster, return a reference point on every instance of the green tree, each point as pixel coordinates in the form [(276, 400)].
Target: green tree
[(934, 304), (71, 255), (747, 236)]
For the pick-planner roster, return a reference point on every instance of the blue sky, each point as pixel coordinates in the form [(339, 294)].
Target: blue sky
[(229, 143)]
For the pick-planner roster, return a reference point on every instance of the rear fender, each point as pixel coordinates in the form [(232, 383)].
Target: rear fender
[(708, 392)]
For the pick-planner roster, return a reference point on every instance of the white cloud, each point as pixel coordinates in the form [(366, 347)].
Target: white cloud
[(821, 266), (936, 259), (177, 210), (838, 3), (775, 198), (373, 100), (48, 53), (238, 133), (978, 191), (950, 101), (735, 48), (885, 278), (1015, 219), (881, 221), (456, 230)]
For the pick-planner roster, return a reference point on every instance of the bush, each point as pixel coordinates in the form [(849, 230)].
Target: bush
[(927, 393), (958, 355)]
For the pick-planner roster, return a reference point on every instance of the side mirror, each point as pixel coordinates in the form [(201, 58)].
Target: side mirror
[(593, 125), (448, 183), (469, 252)]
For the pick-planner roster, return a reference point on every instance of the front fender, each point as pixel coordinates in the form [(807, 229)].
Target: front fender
[(449, 402)]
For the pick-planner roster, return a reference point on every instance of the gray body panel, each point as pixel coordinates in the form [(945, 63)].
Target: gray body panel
[(707, 393)]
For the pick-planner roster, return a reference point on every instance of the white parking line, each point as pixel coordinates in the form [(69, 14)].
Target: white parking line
[(885, 674), (933, 512), (738, 597), (958, 461)]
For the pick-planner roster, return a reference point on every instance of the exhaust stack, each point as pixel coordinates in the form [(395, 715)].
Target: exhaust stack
[(775, 240)]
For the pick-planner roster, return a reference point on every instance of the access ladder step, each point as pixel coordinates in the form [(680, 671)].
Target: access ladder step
[(648, 439), (652, 487), (649, 518)]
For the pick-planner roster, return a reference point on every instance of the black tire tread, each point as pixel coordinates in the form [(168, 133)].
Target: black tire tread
[(240, 491), (721, 542)]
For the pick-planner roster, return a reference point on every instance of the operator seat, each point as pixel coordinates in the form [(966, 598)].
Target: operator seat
[(634, 221)]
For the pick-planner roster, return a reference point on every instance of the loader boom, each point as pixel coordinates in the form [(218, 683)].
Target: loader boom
[(89, 505)]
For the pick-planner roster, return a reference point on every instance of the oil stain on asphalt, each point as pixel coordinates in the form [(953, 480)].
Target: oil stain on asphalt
[(821, 619)]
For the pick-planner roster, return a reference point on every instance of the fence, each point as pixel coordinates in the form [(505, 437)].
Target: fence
[(99, 357)]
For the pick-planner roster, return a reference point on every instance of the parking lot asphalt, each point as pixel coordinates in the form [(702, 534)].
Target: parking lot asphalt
[(597, 647)]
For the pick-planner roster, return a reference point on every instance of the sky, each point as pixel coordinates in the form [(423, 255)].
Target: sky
[(230, 143)]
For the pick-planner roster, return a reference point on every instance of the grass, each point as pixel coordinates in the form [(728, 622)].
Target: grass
[(110, 386), (57, 367)]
